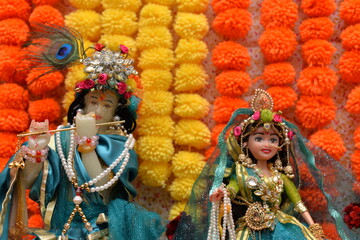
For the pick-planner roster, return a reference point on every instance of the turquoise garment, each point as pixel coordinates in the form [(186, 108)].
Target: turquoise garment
[(57, 187)]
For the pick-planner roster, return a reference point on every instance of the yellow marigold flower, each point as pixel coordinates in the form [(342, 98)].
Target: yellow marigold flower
[(129, 5), (188, 164), (191, 106), (132, 83), (154, 36), (155, 148), (157, 103), (162, 58), (162, 126), (86, 22), (154, 175), (75, 74), (190, 25), (155, 15), (191, 51), (193, 133), (190, 77), (161, 2), (117, 21), (68, 99), (113, 42), (193, 6), (156, 79), (180, 188), (85, 4), (176, 209)]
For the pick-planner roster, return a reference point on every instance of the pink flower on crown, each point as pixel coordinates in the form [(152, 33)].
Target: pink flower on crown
[(237, 131), (124, 49), (277, 118), (256, 115), (99, 46), (102, 78), (121, 87), (88, 84), (127, 95), (80, 85), (291, 135)]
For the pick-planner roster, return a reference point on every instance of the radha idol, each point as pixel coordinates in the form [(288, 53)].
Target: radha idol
[(81, 177)]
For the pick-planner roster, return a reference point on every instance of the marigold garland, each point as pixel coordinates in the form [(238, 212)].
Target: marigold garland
[(230, 55), (13, 31), (190, 77), (313, 199), (154, 176), (209, 152), (8, 142), (330, 141), (180, 188), (277, 44), (161, 2), (315, 111), (224, 106), (43, 109), (316, 28), (162, 58), (317, 81), (176, 209), (317, 52), (86, 4), (349, 11), (198, 6), (223, 5), (355, 164), (349, 66), (130, 5), (162, 126), (15, 9), (279, 73), (13, 120), (155, 148), (279, 13), (215, 132), (44, 2), (13, 96), (357, 137), (86, 22), (190, 51), (283, 96), (315, 8), (190, 25), (233, 23), (193, 133), (154, 36), (117, 21), (112, 42), (155, 15), (353, 101), (46, 15), (156, 79), (156, 103), (191, 106), (45, 83), (350, 37), (307, 179), (330, 231), (232, 83), (188, 164), (9, 60)]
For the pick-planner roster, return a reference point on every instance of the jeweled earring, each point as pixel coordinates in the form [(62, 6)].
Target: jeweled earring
[(278, 162)]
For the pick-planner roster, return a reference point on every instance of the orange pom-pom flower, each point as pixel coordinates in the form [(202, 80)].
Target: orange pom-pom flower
[(316, 28), (350, 11), (316, 8), (46, 15), (233, 23), (232, 83), (317, 52), (330, 141), (225, 106), (349, 66), (13, 96), (330, 231), (45, 83), (313, 199), (8, 142), (15, 9), (279, 73), (215, 132), (315, 111), (223, 5), (44, 2), (13, 31), (357, 137), (230, 55), (350, 37), (317, 81), (277, 44), (9, 60), (283, 96), (279, 13), (355, 164), (47, 108), (13, 120), (353, 102)]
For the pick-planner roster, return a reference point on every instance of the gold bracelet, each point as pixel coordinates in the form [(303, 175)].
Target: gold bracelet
[(300, 207), (317, 231), (86, 148)]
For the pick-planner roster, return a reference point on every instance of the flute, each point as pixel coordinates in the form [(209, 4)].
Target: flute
[(64, 129)]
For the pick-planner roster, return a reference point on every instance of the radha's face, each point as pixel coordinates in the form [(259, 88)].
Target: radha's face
[(103, 104), (263, 144)]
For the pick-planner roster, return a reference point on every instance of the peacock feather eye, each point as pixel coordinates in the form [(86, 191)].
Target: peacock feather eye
[(64, 51)]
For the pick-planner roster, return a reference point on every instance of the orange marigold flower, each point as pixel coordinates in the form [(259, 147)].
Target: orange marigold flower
[(230, 55), (232, 83), (355, 164), (316, 28), (42, 109), (330, 141), (223, 5), (317, 52), (315, 111), (330, 231), (45, 83), (46, 15), (279, 73), (277, 44), (316, 8), (225, 106), (279, 13), (215, 132), (13, 31), (209, 152), (283, 96), (9, 61), (353, 102), (349, 66), (15, 9), (44, 2), (8, 142), (351, 37), (317, 81), (233, 23), (350, 11), (313, 199), (307, 179), (13, 96), (357, 137), (13, 120)]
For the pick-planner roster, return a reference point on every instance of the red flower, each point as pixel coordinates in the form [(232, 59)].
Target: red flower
[(237, 131), (121, 87), (277, 118), (99, 46), (124, 49), (80, 85), (256, 115), (102, 78), (88, 84), (352, 215), (128, 95), (290, 135)]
